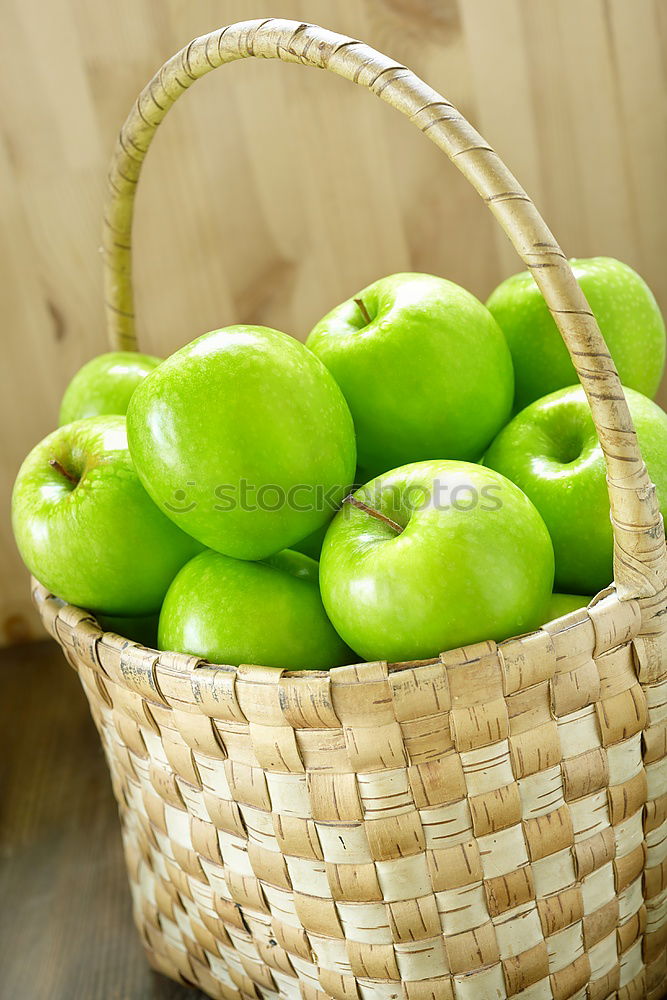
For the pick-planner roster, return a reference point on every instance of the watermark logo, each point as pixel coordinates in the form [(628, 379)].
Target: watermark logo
[(391, 498), (181, 502)]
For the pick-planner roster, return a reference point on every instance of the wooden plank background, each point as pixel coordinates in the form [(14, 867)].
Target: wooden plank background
[(273, 192)]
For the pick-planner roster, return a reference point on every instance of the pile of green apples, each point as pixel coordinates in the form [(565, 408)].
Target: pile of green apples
[(433, 454)]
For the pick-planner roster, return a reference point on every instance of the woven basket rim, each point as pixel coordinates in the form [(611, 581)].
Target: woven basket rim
[(190, 662)]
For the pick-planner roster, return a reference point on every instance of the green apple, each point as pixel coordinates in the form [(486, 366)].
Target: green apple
[(624, 307), (423, 366), (105, 385), (87, 529), (551, 450), (142, 630), (244, 440), (432, 556), (268, 612), (563, 604)]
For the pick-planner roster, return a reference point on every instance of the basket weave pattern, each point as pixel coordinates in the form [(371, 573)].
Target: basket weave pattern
[(489, 824)]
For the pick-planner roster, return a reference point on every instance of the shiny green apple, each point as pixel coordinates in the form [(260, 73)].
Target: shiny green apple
[(87, 529), (268, 613), (626, 311), (551, 450), (105, 385), (423, 366), (432, 556), (244, 440)]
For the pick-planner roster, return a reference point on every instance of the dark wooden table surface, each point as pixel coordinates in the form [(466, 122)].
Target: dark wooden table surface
[(66, 929)]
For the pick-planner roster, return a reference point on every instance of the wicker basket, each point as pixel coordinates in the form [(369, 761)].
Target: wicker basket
[(489, 824)]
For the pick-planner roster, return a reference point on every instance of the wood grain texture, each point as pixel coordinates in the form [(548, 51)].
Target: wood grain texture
[(66, 928), (271, 217)]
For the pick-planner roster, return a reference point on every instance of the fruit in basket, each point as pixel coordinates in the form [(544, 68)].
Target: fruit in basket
[(563, 604), (626, 311), (432, 556), (269, 612), (244, 440), (105, 385), (551, 450), (423, 366), (87, 529)]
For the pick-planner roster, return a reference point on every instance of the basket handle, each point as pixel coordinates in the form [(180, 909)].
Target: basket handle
[(640, 560)]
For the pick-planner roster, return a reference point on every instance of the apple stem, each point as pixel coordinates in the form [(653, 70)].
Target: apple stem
[(363, 310), (55, 464), (360, 505)]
